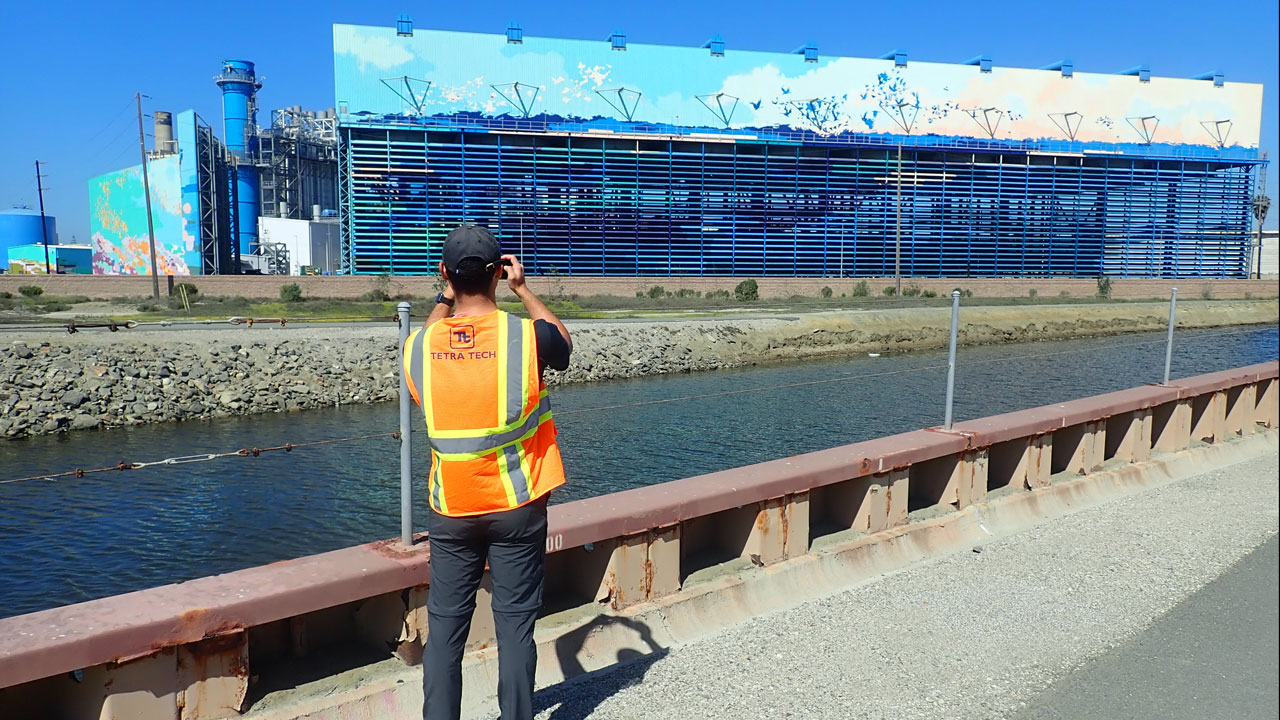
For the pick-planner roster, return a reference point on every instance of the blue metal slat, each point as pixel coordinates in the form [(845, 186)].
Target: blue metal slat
[(750, 208)]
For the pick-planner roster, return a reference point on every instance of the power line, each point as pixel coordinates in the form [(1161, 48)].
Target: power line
[(123, 110), (106, 146)]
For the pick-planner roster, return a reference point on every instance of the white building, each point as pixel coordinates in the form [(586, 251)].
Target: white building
[(1269, 267), (294, 247)]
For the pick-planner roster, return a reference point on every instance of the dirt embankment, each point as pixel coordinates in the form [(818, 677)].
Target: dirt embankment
[(51, 383)]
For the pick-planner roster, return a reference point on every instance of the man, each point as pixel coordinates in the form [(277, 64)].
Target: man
[(477, 373)]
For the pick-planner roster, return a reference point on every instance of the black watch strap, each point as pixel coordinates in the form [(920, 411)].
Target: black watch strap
[(440, 298)]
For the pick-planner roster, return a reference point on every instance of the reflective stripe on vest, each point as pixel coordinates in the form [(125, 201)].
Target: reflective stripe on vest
[(466, 447), (437, 482)]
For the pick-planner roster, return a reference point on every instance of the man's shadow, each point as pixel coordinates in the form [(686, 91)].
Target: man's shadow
[(577, 697)]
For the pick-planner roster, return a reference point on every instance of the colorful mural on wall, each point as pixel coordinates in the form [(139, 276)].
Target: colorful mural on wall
[(184, 131), (118, 222), (378, 72), (30, 259)]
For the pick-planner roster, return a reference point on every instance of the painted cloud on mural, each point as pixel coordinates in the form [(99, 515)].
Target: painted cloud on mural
[(372, 51), (582, 80)]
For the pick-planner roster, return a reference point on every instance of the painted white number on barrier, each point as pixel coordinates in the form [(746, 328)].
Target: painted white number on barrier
[(555, 542)]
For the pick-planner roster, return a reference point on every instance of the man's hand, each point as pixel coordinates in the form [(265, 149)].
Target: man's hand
[(515, 273), (535, 307)]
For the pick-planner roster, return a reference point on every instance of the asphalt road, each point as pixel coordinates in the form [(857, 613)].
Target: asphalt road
[(1162, 604), (1215, 655)]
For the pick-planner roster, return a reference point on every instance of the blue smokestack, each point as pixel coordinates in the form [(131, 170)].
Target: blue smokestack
[(239, 109)]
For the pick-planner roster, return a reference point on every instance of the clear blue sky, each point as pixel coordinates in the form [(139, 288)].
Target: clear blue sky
[(68, 92)]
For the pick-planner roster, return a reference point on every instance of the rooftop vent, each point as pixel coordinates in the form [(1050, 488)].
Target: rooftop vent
[(982, 61), (1143, 72), (618, 40), (404, 26), (809, 50), (515, 34), (1217, 77), (1067, 67), (716, 45), (899, 57)]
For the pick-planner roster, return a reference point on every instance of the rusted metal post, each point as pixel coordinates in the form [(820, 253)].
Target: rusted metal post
[(951, 360), (406, 433), (1168, 350)]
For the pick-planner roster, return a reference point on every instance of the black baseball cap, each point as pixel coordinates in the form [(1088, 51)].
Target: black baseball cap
[(470, 241)]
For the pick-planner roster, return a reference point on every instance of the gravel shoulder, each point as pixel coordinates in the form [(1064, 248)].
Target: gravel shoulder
[(972, 635), (52, 382)]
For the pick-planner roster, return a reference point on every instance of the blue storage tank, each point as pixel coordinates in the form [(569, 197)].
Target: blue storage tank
[(21, 226)]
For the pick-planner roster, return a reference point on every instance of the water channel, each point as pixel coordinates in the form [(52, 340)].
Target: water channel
[(70, 540)]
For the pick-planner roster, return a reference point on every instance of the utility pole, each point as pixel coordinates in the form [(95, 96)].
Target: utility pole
[(146, 189), (44, 227), (897, 232)]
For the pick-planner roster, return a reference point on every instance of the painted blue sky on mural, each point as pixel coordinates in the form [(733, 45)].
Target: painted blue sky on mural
[(444, 73)]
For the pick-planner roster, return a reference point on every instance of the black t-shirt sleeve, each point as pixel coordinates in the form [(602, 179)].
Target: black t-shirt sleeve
[(553, 351)]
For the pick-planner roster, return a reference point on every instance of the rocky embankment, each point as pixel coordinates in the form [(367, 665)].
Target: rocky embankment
[(51, 382)]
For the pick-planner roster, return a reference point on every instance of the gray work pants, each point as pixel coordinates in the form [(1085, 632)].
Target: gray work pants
[(514, 543)]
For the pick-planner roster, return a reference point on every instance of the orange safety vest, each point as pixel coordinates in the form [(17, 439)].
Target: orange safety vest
[(493, 443)]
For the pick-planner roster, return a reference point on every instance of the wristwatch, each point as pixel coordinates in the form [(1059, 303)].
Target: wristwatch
[(440, 298)]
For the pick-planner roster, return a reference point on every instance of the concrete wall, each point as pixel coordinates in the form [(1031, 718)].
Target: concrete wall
[(335, 634), (353, 287)]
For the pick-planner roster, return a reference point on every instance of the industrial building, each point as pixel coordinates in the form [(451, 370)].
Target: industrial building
[(208, 196), (20, 229), (300, 247), (616, 158), (37, 259), (189, 173), (29, 244)]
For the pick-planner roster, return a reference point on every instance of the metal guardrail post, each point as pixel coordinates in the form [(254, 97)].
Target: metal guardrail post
[(951, 361), (1168, 350), (406, 434)]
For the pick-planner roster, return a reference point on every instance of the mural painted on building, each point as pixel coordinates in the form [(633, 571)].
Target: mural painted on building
[(446, 73), (118, 222), (184, 131)]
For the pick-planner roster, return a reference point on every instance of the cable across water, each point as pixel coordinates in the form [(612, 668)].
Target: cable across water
[(289, 447), (201, 457)]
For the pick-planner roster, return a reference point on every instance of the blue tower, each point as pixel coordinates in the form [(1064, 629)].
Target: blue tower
[(239, 131)]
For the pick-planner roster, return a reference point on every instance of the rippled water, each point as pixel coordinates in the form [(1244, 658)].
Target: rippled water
[(71, 540)]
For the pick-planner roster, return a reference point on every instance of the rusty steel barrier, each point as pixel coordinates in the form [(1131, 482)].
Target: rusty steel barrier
[(210, 647)]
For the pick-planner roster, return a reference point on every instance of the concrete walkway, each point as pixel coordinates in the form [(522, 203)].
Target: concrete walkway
[(1098, 614)]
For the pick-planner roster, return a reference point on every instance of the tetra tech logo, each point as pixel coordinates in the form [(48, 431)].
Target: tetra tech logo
[(462, 337)]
